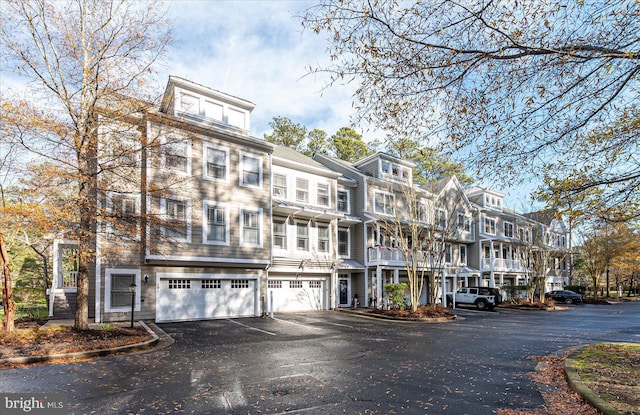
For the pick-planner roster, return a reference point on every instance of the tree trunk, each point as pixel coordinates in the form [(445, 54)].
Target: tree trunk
[(7, 290)]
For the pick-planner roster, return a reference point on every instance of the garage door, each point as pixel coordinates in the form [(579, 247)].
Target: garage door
[(197, 297), (296, 294)]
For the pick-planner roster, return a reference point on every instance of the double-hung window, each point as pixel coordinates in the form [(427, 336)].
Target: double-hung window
[(251, 227), (302, 236), (441, 218), (280, 186), (217, 163), (279, 233), (462, 249), (124, 222), (250, 170), (323, 194), (508, 229), (176, 154), (177, 219), (302, 190), (489, 226), (343, 242), (464, 224), (383, 203), (216, 224), (343, 201), (323, 238)]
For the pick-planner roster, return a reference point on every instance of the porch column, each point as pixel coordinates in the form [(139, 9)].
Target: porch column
[(379, 284)]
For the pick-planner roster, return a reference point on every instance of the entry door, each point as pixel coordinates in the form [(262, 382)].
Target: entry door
[(343, 289)]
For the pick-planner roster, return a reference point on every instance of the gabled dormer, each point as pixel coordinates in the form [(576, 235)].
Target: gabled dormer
[(386, 167), (202, 105), (486, 198)]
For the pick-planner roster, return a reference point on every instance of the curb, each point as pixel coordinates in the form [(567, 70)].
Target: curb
[(581, 388), (91, 353), (399, 319)]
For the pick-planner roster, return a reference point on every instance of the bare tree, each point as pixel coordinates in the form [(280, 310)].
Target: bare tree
[(79, 56), (522, 84)]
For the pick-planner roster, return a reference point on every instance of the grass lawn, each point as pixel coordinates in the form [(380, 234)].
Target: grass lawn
[(613, 371)]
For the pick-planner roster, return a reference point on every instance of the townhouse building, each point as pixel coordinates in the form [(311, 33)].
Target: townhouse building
[(201, 220)]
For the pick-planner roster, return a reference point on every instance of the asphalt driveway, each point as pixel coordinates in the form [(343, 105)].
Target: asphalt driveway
[(332, 362)]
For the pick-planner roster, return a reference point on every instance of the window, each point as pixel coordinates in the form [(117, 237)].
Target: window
[(280, 185), (217, 163), (462, 249), (383, 203), (213, 110), (302, 236), (117, 294), (279, 233), (323, 239), (216, 224), (250, 224), (125, 221), (211, 284), (236, 118), (295, 284), (250, 170), (448, 253), (464, 224), (343, 201), (508, 229), (177, 219), (422, 211), (302, 190), (343, 242), (190, 104), (487, 252), (239, 283), (441, 218), (315, 284), (274, 284), (179, 284), (176, 155), (323, 194), (490, 226)]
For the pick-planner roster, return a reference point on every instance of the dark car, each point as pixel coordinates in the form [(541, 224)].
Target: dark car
[(565, 296)]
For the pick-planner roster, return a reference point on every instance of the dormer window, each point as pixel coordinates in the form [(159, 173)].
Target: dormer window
[(395, 171), (190, 104)]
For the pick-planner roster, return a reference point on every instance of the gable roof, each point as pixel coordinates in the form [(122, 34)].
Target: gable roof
[(287, 157)]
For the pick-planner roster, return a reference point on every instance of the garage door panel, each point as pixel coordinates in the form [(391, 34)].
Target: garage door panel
[(297, 295), (204, 298)]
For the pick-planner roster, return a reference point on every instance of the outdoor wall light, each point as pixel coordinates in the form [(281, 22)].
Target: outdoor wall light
[(146, 279)]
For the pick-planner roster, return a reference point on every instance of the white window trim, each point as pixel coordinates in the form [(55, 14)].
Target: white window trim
[(392, 201), (286, 186), (484, 224), (466, 254), (163, 211), (286, 234), (108, 272), (205, 225), (244, 154), (163, 160), (328, 193), (504, 229), (348, 207), (260, 227), (109, 228), (442, 213), (306, 223), (206, 147), (348, 230), (328, 228)]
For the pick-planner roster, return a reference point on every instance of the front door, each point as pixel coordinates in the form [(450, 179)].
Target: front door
[(343, 290)]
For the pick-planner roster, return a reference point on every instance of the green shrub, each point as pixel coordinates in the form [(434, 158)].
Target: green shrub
[(396, 293)]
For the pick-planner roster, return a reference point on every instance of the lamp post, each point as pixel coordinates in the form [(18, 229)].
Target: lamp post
[(132, 288)]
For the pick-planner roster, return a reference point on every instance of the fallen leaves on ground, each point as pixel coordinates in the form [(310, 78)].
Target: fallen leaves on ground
[(31, 339)]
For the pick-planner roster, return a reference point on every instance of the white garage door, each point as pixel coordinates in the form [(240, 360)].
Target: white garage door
[(296, 294), (197, 297)]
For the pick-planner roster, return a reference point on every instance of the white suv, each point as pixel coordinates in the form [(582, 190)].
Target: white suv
[(478, 296)]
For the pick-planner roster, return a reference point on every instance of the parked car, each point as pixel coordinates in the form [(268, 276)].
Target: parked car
[(565, 296), (478, 296)]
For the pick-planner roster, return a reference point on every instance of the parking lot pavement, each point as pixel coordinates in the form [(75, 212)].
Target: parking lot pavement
[(331, 362)]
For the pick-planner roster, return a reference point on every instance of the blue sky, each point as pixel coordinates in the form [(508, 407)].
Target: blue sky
[(257, 50)]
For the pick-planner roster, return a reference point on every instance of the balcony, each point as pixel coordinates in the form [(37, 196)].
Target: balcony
[(395, 257), (502, 265)]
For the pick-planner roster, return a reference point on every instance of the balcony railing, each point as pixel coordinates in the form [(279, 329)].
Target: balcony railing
[(395, 256), (69, 279), (502, 264)]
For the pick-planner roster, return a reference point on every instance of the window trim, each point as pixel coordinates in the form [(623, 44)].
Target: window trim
[(391, 199), (175, 139), (463, 248), (274, 186), (347, 201), (110, 231), (206, 204), (348, 231), (205, 150), (327, 239), (299, 224), (241, 169), (258, 211), (504, 229), (491, 220), (326, 194), (282, 221), (300, 189), (108, 274), (164, 214)]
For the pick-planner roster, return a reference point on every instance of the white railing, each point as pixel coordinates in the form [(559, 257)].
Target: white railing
[(501, 264), (396, 255), (69, 279)]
